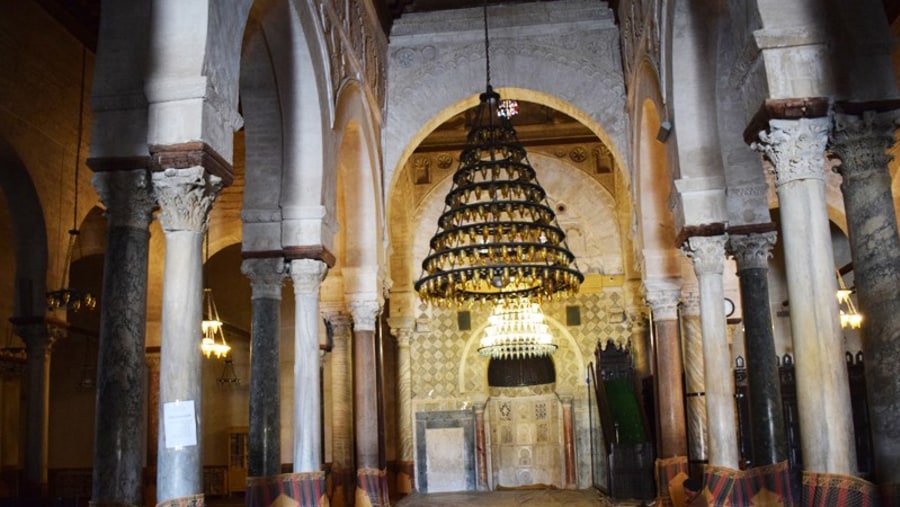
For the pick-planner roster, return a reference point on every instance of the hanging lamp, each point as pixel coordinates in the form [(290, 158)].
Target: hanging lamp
[(497, 238), (851, 318), (516, 330), (213, 340), (66, 297)]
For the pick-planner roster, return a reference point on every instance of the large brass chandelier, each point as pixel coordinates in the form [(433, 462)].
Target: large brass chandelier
[(497, 238), (516, 330)]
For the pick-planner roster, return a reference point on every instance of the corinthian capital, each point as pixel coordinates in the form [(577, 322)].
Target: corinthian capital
[(128, 197), (861, 142), (662, 298), (307, 275), (707, 253), (365, 314), (185, 198), (752, 250), (796, 148), (266, 276)]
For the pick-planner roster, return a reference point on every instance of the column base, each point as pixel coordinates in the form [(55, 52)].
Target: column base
[(372, 488), (889, 494), (111, 504), (766, 485), (185, 501), (307, 489), (670, 473), (343, 489), (405, 477), (824, 489)]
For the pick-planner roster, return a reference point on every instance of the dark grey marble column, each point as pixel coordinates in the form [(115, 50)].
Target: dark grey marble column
[(266, 280), (185, 197), (38, 343), (861, 142), (796, 149), (769, 442), (121, 384)]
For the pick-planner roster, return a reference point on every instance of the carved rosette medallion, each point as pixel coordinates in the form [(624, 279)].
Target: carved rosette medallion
[(185, 198), (861, 142), (796, 148), (128, 196), (707, 253), (752, 251)]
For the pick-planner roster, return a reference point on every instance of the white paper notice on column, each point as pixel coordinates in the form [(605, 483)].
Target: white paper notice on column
[(180, 424)]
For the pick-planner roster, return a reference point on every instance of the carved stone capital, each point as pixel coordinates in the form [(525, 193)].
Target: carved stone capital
[(307, 275), (338, 319), (690, 299), (796, 148), (365, 314), (402, 335), (266, 276), (662, 298), (707, 253), (128, 196), (752, 250), (862, 141), (185, 198), (37, 333)]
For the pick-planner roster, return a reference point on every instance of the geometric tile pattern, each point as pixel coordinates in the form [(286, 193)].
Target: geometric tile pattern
[(436, 352)]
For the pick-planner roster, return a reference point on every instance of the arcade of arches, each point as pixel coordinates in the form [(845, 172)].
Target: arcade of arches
[(719, 168)]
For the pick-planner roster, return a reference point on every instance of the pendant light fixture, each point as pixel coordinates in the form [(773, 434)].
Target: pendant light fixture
[(66, 297), (516, 330), (497, 238), (213, 340)]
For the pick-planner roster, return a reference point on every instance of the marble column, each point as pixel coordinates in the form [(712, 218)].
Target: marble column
[(38, 343), (862, 142), (371, 484), (480, 449), (694, 381), (708, 256), (342, 470), (185, 198), (264, 434), (570, 474), (152, 359), (767, 433), (307, 275), (405, 479), (796, 150), (663, 301), (118, 455)]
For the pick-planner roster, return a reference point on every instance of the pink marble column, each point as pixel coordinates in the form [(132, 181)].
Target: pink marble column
[(663, 299), (569, 444)]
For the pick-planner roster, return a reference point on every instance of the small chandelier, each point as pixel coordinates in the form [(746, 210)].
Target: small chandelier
[(516, 330), (213, 341), (497, 237), (851, 318), (229, 376), (68, 298)]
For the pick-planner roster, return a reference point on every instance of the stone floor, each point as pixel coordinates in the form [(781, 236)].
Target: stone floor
[(531, 497)]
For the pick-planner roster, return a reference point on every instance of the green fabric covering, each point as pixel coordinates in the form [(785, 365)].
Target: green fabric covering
[(625, 410)]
